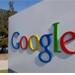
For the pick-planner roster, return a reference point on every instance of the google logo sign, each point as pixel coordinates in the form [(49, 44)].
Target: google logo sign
[(25, 42)]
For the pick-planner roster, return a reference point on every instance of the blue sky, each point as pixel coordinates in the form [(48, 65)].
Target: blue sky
[(19, 4)]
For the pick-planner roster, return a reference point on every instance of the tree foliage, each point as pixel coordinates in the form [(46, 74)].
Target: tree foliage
[(4, 28)]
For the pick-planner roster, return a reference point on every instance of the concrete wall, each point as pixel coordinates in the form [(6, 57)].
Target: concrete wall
[(38, 19)]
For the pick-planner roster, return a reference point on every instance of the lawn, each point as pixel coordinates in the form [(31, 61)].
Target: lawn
[(3, 71)]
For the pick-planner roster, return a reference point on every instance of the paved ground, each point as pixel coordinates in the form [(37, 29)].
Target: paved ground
[(3, 56), (3, 62)]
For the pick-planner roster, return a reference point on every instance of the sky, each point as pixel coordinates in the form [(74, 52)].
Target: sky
[(18, 4)]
